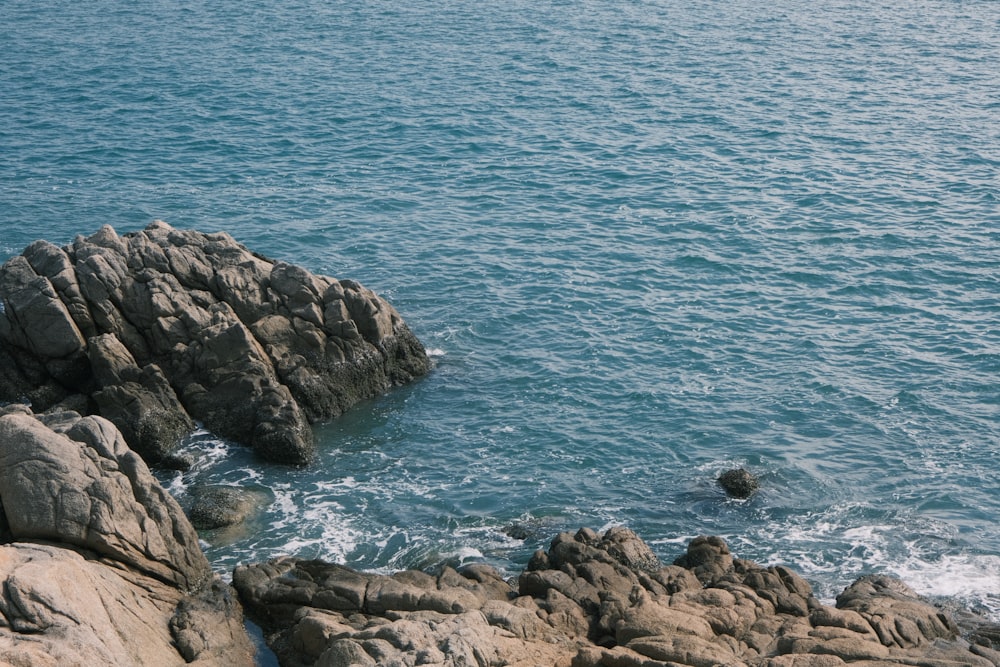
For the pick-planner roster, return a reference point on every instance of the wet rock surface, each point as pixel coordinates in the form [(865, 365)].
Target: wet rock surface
[(739, 483), (596, 601), (158, 328), (220, 506)]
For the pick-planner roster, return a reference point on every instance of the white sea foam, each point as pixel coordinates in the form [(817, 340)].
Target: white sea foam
[(832, 550), (322, 529), (971, 578), (284, 506), (467, 555)]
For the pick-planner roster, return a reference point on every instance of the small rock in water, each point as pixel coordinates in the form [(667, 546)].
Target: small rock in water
[(739, 483), (182, 462), (530, 528), (518, 530), (217, 506)]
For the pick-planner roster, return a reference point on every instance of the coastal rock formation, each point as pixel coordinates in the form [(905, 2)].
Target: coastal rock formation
[(99, 565), (596, 601), (157, 328), (73, 480)]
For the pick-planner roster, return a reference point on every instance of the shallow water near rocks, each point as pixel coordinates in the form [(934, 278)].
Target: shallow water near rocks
[(645, 242)]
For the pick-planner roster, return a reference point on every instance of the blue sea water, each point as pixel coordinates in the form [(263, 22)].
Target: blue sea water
[(644, 240)]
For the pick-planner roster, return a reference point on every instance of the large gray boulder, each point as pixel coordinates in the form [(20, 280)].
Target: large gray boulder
[(99, 564), (595, 601), (158, 328)]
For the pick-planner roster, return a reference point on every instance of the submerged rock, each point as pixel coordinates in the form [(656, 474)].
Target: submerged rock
[(595, 601), (100, 566), (158, 328)]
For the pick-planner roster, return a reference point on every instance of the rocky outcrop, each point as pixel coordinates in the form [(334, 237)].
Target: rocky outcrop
[(596, 601), (157, 328), (99, 565), (74, 481)]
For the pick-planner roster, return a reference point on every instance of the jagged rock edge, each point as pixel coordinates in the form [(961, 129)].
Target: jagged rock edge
[(394, 358)]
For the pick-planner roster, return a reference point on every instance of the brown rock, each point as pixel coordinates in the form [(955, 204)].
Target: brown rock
[(647, 618), (587, 603), (61, 608), (685, 650), (345, 652), (207, 628), (74, 481), (896, 613), (629, 550), (708, 558), (800, 660), (118, 578), (840, 618)]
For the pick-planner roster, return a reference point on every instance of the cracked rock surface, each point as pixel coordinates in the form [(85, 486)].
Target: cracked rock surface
[(99, 564), (158, 328), (596, 601), (73, 480)]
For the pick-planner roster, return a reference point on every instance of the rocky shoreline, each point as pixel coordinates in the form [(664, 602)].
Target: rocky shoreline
[(112, 347), (597, 601)]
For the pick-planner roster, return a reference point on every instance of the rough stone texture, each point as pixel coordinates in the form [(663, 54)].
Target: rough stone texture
[(323, 614), (99, 565), (207, 628), (60, 607), (596, 601), (739, 483), (217, 506), (160, 327), (73, 480)]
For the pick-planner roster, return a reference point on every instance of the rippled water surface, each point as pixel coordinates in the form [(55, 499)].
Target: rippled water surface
[(644, 241)]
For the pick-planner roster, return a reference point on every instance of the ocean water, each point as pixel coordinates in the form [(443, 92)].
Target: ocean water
[(644, 241)]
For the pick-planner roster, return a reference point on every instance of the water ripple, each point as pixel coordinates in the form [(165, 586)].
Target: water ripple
[(650, 240)]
